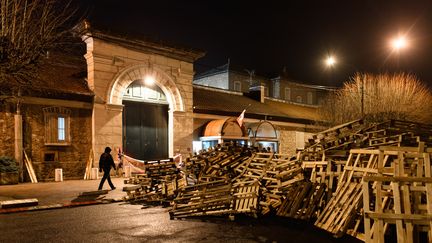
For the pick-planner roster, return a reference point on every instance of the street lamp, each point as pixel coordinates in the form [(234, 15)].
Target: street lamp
[(399, 43), (330, 61)]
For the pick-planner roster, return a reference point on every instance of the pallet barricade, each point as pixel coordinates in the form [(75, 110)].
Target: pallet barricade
[(212, 198)]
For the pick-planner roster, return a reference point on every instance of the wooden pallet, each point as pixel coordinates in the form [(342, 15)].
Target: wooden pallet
[(246, 199), (345, 206), (203, 199), (302, 201), (256, 167), (403, 199)]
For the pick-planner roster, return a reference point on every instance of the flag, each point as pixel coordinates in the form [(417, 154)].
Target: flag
[(240, 118)]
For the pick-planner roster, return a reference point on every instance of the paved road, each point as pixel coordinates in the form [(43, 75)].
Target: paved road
[(129, 223)]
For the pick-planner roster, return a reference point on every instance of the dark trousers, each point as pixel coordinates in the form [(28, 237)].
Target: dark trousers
[(106, 176)]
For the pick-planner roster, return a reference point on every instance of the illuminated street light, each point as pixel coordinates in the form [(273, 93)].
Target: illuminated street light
[(399, 43), (330, 61), (149, 80)]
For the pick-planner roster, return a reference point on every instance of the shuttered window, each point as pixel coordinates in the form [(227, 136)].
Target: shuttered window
[(57, 126)]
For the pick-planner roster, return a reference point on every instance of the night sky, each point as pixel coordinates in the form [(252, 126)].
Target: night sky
[(269, 35)]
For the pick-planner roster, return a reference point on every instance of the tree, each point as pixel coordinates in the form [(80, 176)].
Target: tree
[(385, 96), (29, 29)]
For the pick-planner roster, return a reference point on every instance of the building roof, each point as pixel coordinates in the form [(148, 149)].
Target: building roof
[(61, 76), (217, 101)]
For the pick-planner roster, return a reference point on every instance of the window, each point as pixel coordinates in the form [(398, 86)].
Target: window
[(137, 91), (299, 99), (61, 136), (309, 98), (276, 89), (57, 128), (287, 94), (237, 86)]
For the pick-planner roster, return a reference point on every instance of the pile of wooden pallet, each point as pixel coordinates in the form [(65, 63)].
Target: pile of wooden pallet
[(401, 196), (160, 182), (303, 201), (369, 189), (258, 182), (347, 176), (209, 198)]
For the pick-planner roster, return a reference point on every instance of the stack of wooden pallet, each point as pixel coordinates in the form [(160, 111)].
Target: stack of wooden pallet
[(327, 181), (160, 182), (210, 198), (336, 140), (325, 156), (258, 180), (345, 206), (403, 199), (160, 168), (302, 201), (383, 187)]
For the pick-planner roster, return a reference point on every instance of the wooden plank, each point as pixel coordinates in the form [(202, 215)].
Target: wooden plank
[(30, 169)]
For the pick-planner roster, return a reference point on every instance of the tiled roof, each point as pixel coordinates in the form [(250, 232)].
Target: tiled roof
[(61, 76), (215, 101)]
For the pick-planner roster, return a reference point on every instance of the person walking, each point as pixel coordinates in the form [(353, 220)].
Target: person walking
[(106, 161)]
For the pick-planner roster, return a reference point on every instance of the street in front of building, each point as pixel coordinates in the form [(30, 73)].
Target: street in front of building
[(121, 222)]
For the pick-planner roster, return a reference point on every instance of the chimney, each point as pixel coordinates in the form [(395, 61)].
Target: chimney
[(256, 93)]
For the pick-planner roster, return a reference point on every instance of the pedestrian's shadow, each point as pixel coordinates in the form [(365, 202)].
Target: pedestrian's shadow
[(90, 196)]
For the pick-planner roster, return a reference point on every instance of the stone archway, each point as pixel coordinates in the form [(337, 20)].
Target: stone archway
[(137, 72), (164, 81)]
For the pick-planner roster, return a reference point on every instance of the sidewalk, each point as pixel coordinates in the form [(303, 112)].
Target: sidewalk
[(61, 194)]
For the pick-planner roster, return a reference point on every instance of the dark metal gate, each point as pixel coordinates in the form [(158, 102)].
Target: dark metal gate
[(145, 130)]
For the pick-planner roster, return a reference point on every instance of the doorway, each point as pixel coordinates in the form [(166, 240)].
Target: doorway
[(145, 130)]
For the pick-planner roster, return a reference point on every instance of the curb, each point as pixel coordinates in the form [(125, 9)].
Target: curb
[(57, 206)]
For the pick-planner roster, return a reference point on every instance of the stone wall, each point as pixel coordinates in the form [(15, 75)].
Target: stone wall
[(291, 140), (72, 158), (112, 67), (7, 141), (287, 142), (219, 80)]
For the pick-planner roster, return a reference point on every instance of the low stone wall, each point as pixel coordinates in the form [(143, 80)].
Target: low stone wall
[(7, 137)]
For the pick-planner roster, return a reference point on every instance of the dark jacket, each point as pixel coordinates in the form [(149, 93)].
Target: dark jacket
[(106, 161)]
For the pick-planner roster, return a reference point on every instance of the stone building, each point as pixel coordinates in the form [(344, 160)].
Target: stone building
[(293, 124), (296, 92), (280, 87), (138, 96), (225, 77), (51, 119), (290, 107), (111, 104), (124, 74)]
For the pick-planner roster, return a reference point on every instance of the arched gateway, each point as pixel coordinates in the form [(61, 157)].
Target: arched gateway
[(142, 125), (147, 110)]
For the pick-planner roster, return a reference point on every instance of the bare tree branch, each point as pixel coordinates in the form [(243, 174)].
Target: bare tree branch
[(398, 96), (29, 28)]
